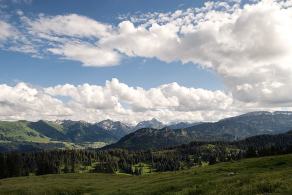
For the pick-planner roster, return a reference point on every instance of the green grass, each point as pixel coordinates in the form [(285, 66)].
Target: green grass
[(268, 175)]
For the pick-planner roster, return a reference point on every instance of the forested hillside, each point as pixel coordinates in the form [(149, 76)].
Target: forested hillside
[(139, 162), (229, 129)]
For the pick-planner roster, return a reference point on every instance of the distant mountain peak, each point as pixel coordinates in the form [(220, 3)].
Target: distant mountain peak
[(106, 120), (60, 122), (109, 124), (154, 120), (116, 127), (153, 123)]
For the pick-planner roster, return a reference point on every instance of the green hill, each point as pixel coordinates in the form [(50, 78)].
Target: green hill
[(20, 131), (26, 135), (266, 175)]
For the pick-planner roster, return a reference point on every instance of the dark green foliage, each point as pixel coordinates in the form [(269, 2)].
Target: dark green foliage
[(108, 161)]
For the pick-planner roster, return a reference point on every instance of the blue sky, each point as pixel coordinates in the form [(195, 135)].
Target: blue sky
[(49, 70)]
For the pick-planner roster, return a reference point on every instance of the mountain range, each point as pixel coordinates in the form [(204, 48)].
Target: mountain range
[(15, 135), (19, 135), (229, 129)]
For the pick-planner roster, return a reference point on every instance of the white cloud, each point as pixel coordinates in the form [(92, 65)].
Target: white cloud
[(115, 100), (6, 31), (118, 101), (157, 41), (73, 37), (89, 55), (12, 39), (246, 46), (25, 102), (68, 25)]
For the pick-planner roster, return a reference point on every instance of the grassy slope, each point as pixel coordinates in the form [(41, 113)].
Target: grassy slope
[(249, 176), (21, 132), (43, 132)]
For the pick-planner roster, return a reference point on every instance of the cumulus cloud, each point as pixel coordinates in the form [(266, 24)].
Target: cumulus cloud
[(114, 100), (25, 102)]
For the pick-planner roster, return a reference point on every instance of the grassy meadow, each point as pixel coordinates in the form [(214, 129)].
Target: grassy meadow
[(267, 175)]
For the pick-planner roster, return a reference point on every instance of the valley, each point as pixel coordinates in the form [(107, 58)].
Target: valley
[(249, 154)]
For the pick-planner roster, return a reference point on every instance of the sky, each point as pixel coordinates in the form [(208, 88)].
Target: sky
[(131, 60), (40, 71)]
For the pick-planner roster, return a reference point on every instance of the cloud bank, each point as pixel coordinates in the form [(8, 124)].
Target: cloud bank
[(114, 100)]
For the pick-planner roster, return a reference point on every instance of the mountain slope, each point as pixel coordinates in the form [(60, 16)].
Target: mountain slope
[(48, 129), (20, 135), (181, 125), (79, 131), (229, 129), (152, 138), (117, 128), (107, 132), (246, 125), (153, 123), (20, 130)]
